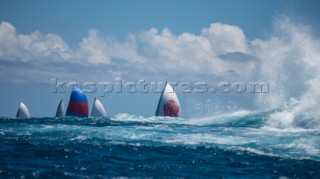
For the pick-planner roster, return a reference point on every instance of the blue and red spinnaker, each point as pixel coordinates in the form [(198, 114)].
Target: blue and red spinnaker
[(78, 104)]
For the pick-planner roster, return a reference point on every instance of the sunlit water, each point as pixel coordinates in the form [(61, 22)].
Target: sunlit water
[(239, 144)]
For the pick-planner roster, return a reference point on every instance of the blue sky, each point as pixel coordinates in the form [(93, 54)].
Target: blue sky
[(154, 40), (72, 19)]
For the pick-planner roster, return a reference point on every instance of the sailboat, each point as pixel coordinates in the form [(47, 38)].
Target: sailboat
[(23, 111), (168, 104), (98, 109), (78, 103), (60, 109)]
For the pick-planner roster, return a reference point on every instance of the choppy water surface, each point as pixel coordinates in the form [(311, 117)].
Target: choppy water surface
[(240, 144)]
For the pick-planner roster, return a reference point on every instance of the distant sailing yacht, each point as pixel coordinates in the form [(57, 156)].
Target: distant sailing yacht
[(60, 110), (168, 104), (98, 109), (78, 104), (23, 111)]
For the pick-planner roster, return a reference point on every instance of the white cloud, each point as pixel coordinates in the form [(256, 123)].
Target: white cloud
[(94, 48), (225, 38), (151, 52), (8, 41), (189, 53), (35, 46)]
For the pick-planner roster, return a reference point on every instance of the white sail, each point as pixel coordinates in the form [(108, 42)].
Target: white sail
[(169, 104), (60, 110), (98, 109), (23, 111)]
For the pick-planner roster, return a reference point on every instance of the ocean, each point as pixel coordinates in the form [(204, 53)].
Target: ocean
[(241, 144)]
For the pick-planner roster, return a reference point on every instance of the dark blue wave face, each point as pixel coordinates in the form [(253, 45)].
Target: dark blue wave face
[(235, 145)]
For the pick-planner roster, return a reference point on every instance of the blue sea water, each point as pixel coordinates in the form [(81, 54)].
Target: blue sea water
[(239, 144)]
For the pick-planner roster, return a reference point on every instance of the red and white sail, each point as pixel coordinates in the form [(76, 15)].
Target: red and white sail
[(169, 104)]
